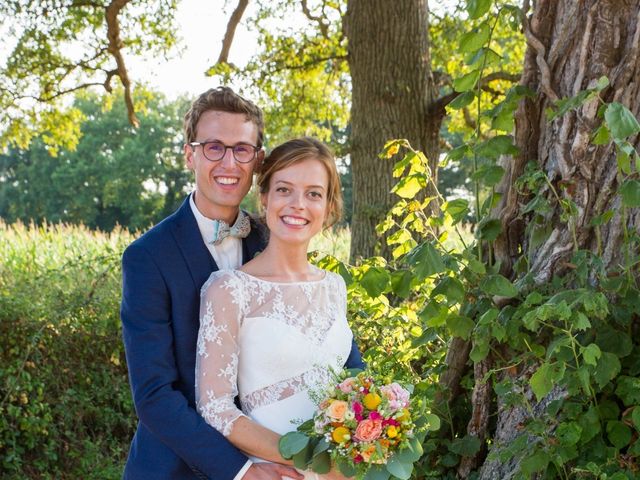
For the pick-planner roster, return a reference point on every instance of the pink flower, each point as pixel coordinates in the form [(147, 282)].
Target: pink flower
[(348, 385), (390, 421), (368, 430), (375, 416), (398, 397)]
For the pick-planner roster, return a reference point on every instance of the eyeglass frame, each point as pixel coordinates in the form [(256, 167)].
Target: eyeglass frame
[(256, 149)]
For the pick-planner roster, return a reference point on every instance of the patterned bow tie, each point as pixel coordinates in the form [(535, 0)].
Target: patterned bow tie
[(222, 230)]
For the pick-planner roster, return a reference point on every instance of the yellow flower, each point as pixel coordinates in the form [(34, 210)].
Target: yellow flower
[(406, 416), (371, 401), (341, 435), (392, 431)]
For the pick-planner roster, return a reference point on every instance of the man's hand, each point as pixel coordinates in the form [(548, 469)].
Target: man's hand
[(271, 471)]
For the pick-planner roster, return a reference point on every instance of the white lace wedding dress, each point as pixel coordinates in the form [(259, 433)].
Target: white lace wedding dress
[(270, 343)]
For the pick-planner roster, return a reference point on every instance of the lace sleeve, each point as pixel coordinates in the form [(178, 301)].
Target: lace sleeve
[(217, 352)]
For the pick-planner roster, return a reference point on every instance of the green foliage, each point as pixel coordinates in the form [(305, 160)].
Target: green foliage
[(58, 47), (65, 405), (116, 175)]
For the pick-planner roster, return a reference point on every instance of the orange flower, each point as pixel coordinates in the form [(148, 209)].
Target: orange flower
[(337, 409), (368, 430)]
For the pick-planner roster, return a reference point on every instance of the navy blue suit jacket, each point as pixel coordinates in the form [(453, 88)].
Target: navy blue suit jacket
[(163, 272)]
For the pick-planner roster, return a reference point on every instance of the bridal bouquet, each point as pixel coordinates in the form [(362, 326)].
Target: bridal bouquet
[(363, 426)]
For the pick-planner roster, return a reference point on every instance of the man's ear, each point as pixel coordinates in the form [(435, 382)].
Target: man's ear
[(188, 156)]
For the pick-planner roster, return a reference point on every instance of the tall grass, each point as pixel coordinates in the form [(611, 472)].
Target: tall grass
[(65, 407)]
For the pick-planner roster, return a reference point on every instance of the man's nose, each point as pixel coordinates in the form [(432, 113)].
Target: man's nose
[(228, 159)]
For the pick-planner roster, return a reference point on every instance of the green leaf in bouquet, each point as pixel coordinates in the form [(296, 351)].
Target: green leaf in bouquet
[(399, 469), (303, 457), (376, 472), (321, 463), (292, 443), (346, 467), (306, 427), (412, 453), (321, 446), (431, 421)]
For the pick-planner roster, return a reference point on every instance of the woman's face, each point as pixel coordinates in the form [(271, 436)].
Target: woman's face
[(296, 203)]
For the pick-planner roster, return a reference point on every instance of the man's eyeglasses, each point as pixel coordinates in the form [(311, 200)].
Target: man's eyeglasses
[(215, 151)]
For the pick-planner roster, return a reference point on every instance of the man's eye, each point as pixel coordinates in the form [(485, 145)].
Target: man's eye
[(215, 147), (243, 149)]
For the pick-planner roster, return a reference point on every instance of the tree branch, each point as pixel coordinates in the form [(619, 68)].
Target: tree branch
[(236, 16), (115, 49), (310, 63), (324, 29)]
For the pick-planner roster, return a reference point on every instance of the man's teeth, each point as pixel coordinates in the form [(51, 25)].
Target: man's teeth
[(227, 180), (294, 221)]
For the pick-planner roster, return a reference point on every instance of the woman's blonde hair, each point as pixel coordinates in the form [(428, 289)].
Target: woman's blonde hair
[(298, 150)]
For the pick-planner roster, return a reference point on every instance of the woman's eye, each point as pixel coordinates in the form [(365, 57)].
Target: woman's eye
[(281, 189), (315, 194)]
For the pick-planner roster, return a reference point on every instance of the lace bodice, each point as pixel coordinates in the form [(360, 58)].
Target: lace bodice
[(266, 341)]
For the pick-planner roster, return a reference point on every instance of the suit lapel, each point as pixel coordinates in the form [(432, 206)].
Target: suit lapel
[(194, 251)]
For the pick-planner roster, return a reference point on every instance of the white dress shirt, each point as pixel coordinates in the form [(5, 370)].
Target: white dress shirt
[(228, 256)]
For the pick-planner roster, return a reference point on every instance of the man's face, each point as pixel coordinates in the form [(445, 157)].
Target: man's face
[(221, 185)]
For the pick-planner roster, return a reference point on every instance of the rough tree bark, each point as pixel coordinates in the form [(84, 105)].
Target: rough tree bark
[(570, 45), (392, 91)]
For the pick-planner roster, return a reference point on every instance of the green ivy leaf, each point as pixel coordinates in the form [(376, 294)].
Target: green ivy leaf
[(479, 351), (499, 285), (426, 260), (451, 288), (466, 446), (618, 433), (477, 8), (568, 433), (489, 175), (630, 192), (375, 281), (460, 326), (601, 136), (628, 390), (535, 463), (591, 353), (458, 153), (635, 417), (607, 369), (541, 382), (474, 39), (462, 100), (401, 282), (466, 82), (399, 469), (458, 209), (292, 443), (489, 229), (496, 146), (621, 122)]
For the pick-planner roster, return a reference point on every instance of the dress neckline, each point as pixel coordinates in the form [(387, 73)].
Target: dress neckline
[(299, 282)]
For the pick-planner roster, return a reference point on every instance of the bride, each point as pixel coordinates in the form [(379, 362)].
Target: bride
[(272, 330)]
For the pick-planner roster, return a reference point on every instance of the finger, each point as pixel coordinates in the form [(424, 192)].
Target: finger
[(290, 472)]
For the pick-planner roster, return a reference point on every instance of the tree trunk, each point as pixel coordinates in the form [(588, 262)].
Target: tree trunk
[(392, 90), (570, 45)]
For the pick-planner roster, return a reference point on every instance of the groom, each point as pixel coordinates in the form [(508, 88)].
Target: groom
[(162, 274)]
